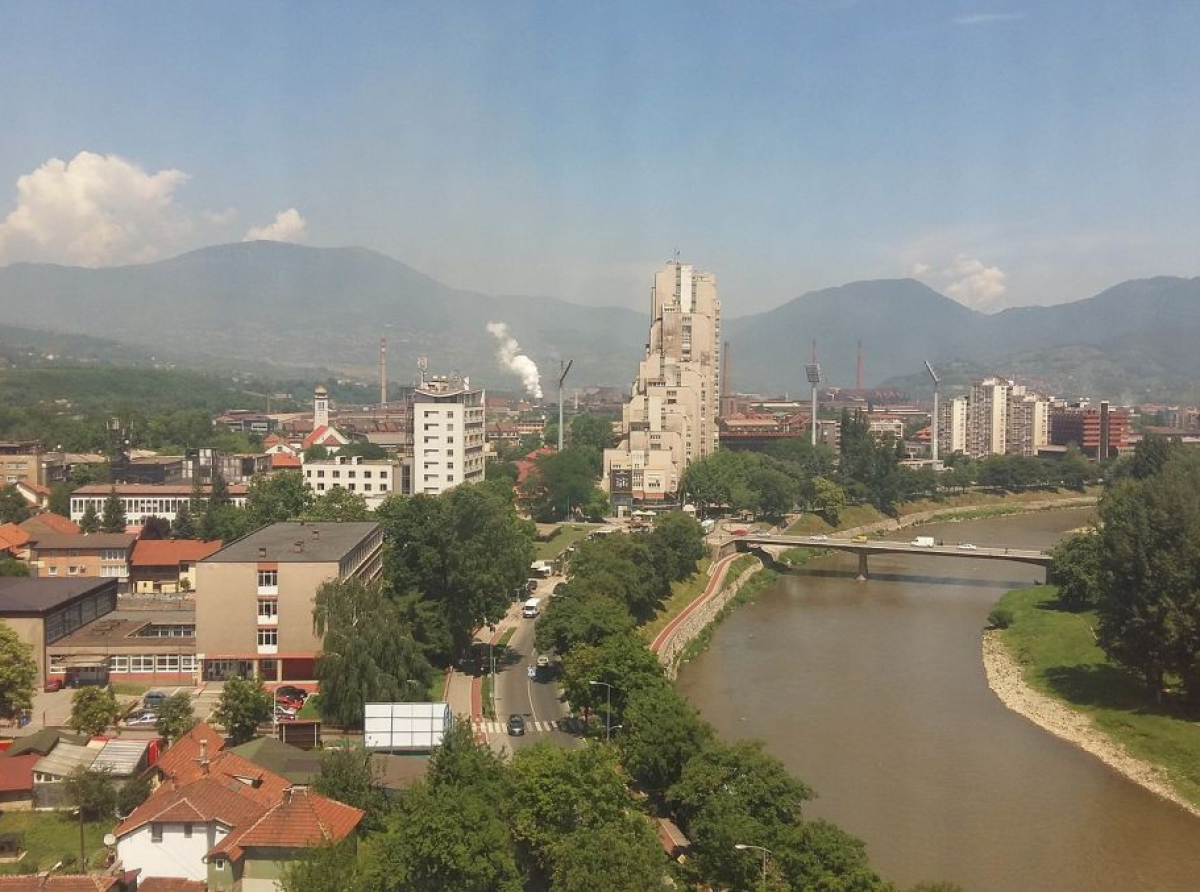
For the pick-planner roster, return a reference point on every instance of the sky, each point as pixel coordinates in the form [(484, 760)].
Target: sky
[(1003, 153)]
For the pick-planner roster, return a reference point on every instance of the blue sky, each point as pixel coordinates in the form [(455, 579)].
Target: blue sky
[(1004, 153)]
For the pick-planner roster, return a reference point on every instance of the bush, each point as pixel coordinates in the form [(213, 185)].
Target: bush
[(1000, 618)]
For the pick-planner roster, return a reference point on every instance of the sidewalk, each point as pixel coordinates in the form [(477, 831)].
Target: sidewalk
[(464, 692)]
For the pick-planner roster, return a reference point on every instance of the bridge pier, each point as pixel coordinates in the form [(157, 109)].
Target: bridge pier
[(862, 567)]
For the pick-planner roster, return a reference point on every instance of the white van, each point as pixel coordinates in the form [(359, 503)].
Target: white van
[(530, 610), (541, 569)]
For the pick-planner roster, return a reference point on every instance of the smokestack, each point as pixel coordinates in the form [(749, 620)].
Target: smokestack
[(203, 760), (858, 372), (383, 371)]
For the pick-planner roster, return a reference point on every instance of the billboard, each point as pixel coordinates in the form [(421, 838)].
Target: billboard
[(405, 726)]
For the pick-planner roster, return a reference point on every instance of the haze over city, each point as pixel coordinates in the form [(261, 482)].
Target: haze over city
[(1003, 154)]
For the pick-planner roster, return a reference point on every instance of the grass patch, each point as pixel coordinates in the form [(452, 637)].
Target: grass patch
[(437, 687), (129, 689), (682, 594), (489, 709), (566, 536), (853, 516), (1060, 656), (506, 637), (51, 837), (311, 708)]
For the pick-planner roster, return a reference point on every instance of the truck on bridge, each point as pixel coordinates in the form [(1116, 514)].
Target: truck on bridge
[(923, 542)]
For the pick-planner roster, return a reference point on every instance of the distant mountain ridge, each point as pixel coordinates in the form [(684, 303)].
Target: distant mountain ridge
[(299, 307)]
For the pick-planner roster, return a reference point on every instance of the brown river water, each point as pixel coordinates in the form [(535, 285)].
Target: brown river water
[(874, 694)]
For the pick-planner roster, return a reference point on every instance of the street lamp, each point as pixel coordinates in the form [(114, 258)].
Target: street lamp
[(607, 709), (742, 846)]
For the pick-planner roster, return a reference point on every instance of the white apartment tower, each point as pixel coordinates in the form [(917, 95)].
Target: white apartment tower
[(671, 418), (952, 426), (445, 423), (999, 417)]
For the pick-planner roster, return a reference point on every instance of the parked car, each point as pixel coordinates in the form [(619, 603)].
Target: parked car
[(142, 719), (543, 661), (53, 684), (516, 725), (291, 692), (153, 700)]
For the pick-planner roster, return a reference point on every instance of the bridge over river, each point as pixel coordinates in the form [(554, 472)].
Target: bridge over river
[(756, 541)]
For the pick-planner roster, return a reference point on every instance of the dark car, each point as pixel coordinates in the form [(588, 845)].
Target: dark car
[(291, 692), (516, 725), (153, 700)]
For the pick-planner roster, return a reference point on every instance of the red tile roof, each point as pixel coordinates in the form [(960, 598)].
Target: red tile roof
[(299, 819), (49, 522), (170, 884), (283, 460), (170, 552), (16, 773), (12, 536), (325, 435), (186, 750)]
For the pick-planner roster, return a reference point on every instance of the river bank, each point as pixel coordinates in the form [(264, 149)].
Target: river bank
[(685, 633)]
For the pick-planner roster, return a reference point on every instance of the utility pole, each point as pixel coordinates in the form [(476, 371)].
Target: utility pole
[(566, 367)]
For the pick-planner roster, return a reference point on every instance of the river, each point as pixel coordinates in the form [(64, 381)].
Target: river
[(874, 694)]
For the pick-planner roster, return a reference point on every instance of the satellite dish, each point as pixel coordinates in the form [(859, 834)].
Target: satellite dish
[(110, 840)]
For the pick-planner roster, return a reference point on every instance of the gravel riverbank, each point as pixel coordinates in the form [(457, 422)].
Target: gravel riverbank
[(1007, 680)]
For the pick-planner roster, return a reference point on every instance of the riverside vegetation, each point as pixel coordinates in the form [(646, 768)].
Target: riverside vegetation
[(1116, 637)]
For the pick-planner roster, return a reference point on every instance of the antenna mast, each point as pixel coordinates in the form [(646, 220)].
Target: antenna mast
[(566, 367), (383, 371)]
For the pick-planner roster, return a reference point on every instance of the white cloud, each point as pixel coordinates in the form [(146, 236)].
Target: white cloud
[(288, 226), (917, 270), (988, 18), (219, 218), (93, 210), (973, 283)]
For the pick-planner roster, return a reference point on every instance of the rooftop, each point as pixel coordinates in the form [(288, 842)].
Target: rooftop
[(117, 629), (122, 757), (171, 552), (49, 522), (21, 595), (297, 765), (64, 759), (321, 542), (83, 540), (16, 772)]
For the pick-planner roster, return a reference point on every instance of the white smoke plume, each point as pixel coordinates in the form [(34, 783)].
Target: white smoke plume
[(511, 357)]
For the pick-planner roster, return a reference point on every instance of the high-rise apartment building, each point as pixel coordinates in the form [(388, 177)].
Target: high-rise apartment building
[(671, 417), (446, 425), (998, 417)]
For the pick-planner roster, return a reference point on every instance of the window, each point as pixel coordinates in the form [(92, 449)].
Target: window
[(118, 665), (366, 475), (141, 663), (351, 474), (268, 608), (219, 864), (320, 473), (113, 554), (52, 571), (187, 831), (268, 637), (268, 579), (337, 474), (75, 571), (156, 832)]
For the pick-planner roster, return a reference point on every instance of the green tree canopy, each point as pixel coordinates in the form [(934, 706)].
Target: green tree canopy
[(175, 716), (18, 673), (91, 791), (661, 733), (1075, 567), (93, 710), (90, 521), (621, 567), (677, 543), (275, 498), (338, 505), (572, 618), (244, 705), (112, 518), (347, 775), (13, 507), (367, 651), (560, 483)]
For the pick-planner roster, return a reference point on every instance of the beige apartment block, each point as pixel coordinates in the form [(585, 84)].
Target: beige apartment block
[(671, 417), (254, 597)]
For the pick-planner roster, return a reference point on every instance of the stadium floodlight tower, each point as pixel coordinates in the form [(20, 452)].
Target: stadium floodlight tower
[(933, 428), (813, 371), (561, 378)]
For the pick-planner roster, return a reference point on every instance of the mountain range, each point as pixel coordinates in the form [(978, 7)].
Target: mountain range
[(300, 307)]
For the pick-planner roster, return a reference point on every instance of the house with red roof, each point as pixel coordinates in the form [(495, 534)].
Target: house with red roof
[(283, 461), (14, 542), (16, 781), (218, 818), (325, 435), (167, 565), (49, 522)]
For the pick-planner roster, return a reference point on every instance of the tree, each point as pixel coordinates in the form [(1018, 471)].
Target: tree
[(449, 837), (93, 710), (133, 793), (223, 522), (622, 661), (18, 673), (828, 500), (571, 619), (332, 867), (13, 507), (155, 528), (369, 451), (278, 497), (90, 521), (338, 505), (112, 519), (182, 527), (591, 432), (244, 705), (662, 733), (1150, 456), (316, 452), (348, 776), (560, 483), (625, 852), (92, 794), (678, 544), (175, 717), (464, 552), (461, 761), (60, 499), (13, 567), (1075, 569), (367, 651), (615, 566), (218, 494)]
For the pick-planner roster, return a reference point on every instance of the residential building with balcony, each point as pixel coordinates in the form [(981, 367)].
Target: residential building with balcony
[(254, 597), (447, 430), (64, 555)]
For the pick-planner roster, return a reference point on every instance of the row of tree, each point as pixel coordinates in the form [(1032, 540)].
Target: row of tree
[(1140, 568)]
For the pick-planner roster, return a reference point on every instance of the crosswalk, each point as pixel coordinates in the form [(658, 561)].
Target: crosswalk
[(567, 725)]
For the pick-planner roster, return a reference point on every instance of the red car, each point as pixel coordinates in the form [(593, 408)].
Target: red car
[(53, 684)]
